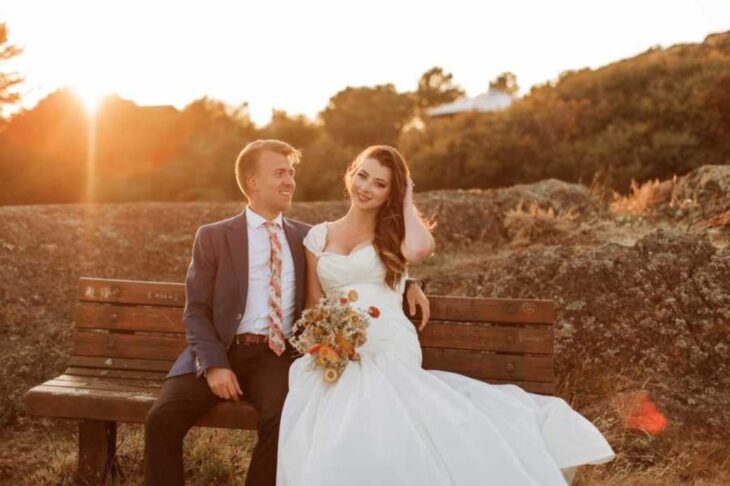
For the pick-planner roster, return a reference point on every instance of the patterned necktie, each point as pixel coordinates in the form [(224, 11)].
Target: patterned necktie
[(276, 320)]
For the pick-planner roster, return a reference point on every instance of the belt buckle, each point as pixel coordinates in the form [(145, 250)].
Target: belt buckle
[(250, 338)]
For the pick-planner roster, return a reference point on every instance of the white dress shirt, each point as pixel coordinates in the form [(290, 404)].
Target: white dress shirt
[(255, 318)]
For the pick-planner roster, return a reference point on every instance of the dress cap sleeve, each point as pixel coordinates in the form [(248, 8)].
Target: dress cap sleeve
[(316, 239)]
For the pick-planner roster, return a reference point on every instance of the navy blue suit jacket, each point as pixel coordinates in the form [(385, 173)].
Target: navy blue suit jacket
[(216, 287)]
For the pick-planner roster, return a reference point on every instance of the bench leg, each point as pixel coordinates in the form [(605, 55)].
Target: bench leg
[(97, 451)]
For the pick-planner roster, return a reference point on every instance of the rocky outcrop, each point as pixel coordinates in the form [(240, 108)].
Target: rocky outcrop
[(703, 193), (481, 216), (656, 313)]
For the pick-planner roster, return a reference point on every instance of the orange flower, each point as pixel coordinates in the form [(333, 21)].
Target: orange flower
[(344, 346), (314, 349), (327, 355), (374, 311), (353, 296)]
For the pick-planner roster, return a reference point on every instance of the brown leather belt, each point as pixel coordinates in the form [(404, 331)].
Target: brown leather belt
[(248, 338)]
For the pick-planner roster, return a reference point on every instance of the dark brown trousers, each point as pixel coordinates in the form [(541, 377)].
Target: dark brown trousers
[(264, 380)]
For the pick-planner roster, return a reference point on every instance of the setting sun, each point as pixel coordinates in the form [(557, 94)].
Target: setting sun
[(89, 96)]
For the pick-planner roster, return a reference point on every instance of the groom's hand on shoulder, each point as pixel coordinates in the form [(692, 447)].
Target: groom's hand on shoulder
[(223, 383)]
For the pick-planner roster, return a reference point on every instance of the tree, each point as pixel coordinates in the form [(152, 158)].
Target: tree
[(202, 168), (8, 80), (296, 130), (717, 103), (358, 117), (43, 152), (506, 83), (435, 87)]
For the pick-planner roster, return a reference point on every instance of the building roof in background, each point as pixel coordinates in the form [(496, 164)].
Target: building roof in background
[(492, 100)]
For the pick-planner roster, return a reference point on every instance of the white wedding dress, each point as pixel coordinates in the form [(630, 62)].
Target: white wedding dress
[(387, 421)]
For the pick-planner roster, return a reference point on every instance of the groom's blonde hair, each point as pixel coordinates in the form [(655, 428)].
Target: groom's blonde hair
[(248, 159)]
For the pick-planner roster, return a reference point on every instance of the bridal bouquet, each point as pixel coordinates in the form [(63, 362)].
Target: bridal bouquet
[(331, 331)]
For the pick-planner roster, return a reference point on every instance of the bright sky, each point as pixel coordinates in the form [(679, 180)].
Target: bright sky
[(294, 55)]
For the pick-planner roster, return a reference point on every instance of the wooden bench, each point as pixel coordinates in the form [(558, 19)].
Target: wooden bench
[(128, 333)]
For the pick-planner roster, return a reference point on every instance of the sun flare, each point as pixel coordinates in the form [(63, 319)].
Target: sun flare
[(89, 96)]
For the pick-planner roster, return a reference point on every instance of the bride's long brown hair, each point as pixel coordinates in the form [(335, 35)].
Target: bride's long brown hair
[(390, 229)]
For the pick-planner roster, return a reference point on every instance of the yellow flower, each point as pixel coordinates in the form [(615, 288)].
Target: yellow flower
[(331, 375), (352, 296)]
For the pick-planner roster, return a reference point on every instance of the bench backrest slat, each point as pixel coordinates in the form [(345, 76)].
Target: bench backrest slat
[(470, 309), (131, 292), (486, 337), (520, 311), (131, 346), (129, 317), (438, 334), (490, 365)]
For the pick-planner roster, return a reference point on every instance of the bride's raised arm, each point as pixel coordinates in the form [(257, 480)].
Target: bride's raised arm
[(418, 243)]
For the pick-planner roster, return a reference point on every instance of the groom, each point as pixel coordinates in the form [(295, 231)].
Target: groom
[(244, 289)]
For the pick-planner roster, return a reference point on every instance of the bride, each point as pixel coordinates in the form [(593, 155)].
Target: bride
[(387, 421)]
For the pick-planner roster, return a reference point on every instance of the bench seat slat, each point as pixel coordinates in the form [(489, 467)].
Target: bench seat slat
[(474, 336), (486, 366), (91, 381), (121, 363), (77, 403), (101, 386), (137, 375)]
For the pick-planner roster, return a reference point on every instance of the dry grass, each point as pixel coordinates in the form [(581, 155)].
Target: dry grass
[(668, 458), (694, 463), (642, 198), (722, 220), (536, 224), (212, 456), (679, 454)]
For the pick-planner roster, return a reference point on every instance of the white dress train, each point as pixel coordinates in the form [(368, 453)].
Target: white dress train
[(387, 421)]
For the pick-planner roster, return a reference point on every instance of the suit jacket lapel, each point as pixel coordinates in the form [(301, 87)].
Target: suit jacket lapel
[(237, 238), (297, 252)]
